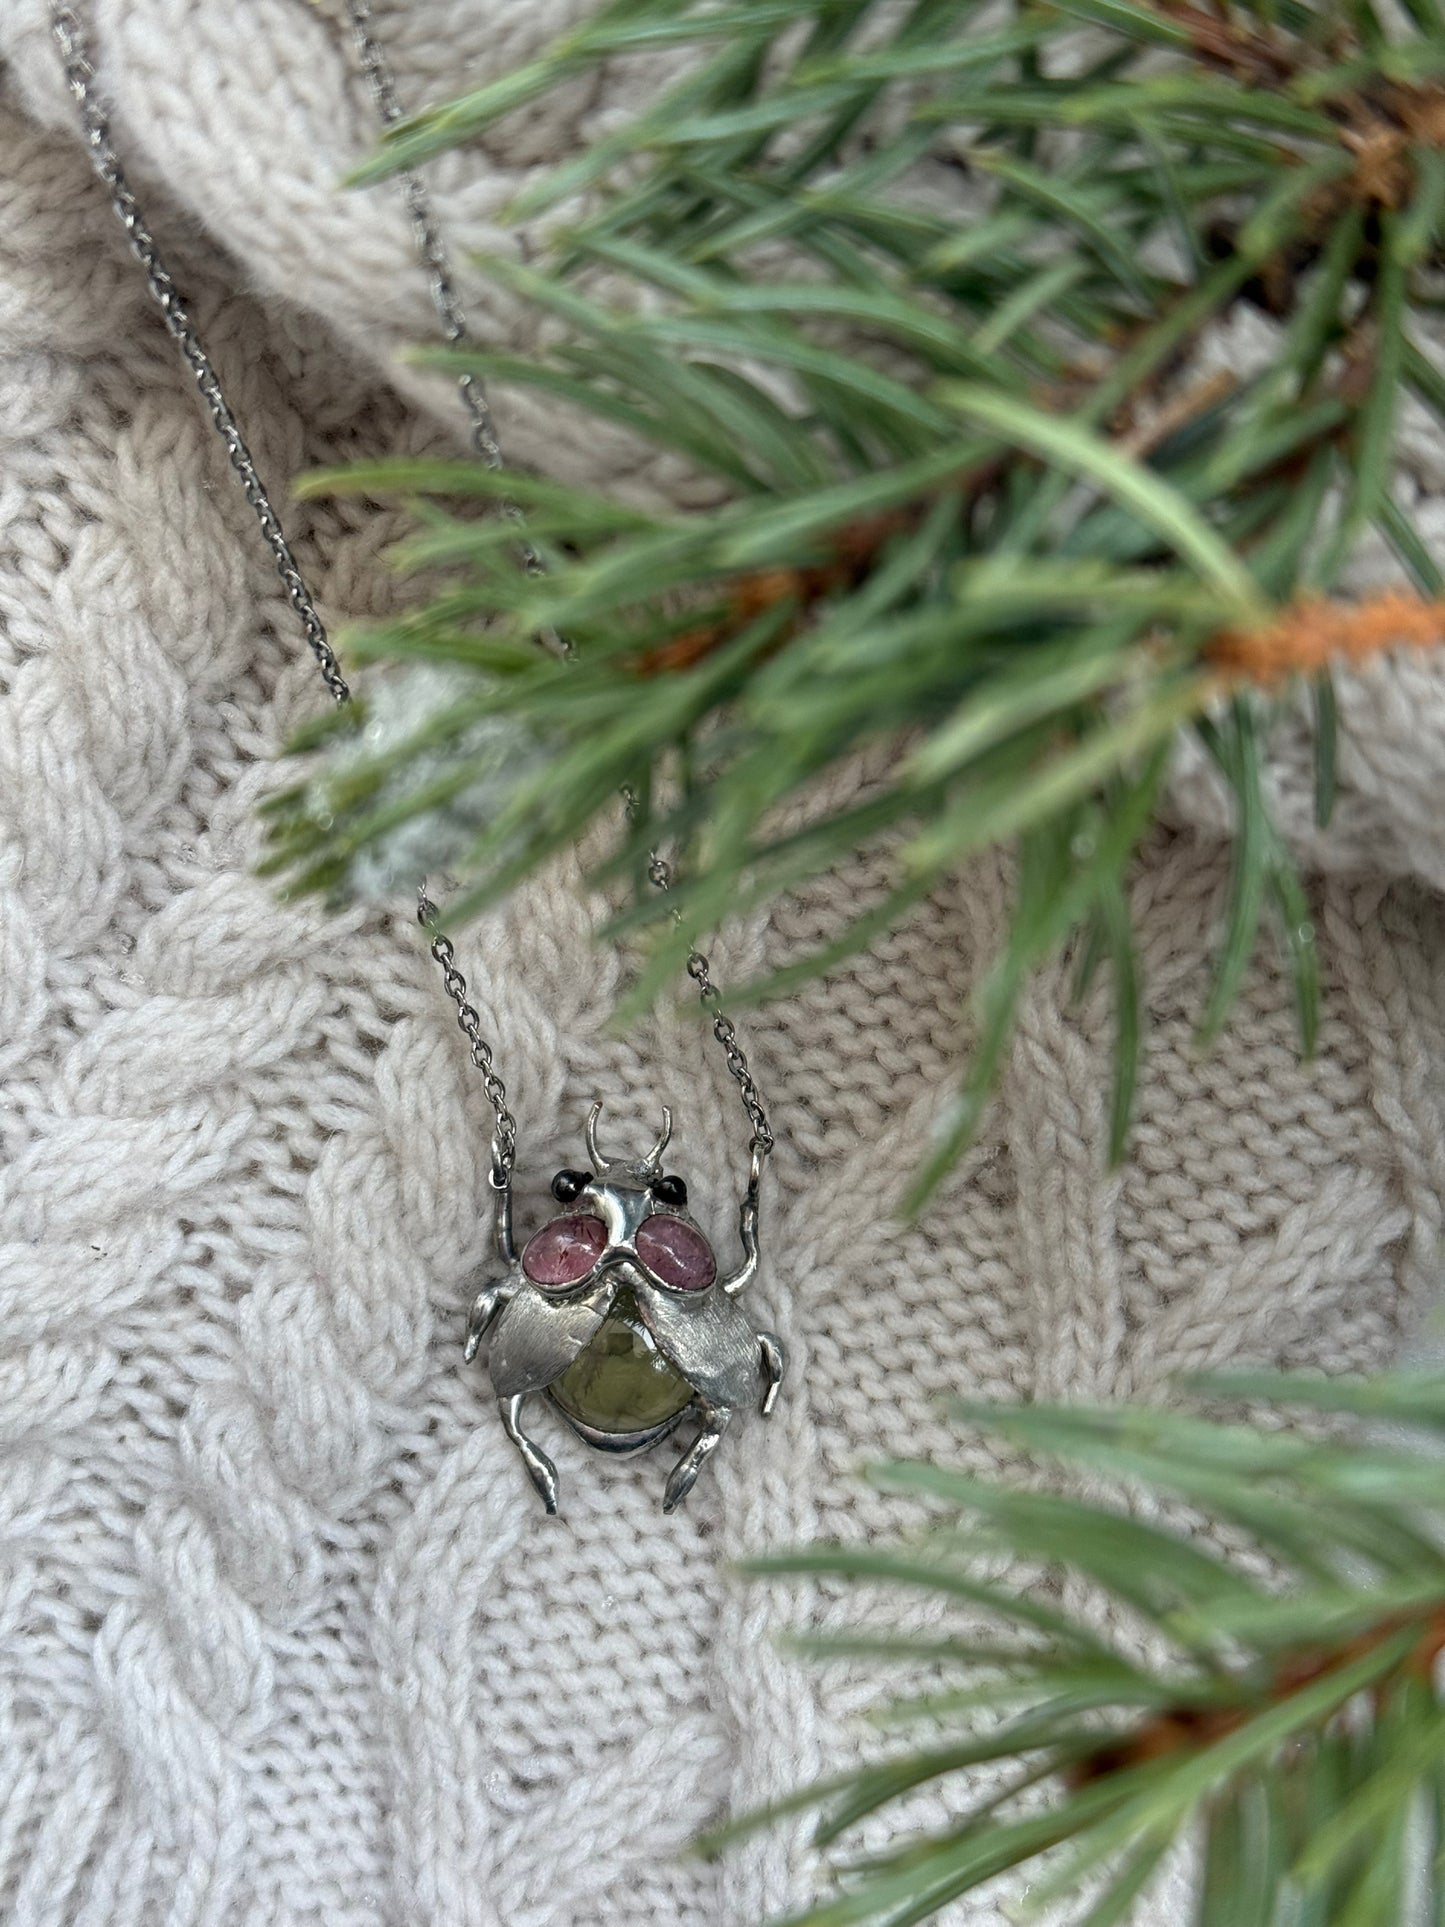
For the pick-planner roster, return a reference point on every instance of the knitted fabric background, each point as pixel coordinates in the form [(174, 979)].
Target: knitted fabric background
[(285, 1638)]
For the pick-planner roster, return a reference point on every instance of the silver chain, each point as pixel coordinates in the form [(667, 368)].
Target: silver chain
[(504, 1137), (80, 76), (432, 250), (659, 875), (70, 38), (433, 255)]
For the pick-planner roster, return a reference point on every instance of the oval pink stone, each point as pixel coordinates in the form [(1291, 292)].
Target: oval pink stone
[(677, 1252), (565, 1250)]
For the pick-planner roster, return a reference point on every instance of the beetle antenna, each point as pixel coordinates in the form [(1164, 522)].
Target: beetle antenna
[(652, 1163), (600, 1165)]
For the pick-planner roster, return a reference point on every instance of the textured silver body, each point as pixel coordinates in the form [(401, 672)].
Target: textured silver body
[(538, 1330)]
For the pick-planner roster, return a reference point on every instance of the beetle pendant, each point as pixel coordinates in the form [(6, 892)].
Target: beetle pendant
[(615, 1311)]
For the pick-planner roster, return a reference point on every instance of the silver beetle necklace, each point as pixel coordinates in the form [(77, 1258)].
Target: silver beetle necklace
[(614, 1310)]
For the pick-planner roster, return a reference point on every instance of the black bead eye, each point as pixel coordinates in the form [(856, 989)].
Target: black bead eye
[(670, 1191), (568, 1185)]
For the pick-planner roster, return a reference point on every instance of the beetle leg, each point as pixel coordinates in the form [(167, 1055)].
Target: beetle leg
[(540, 1468), (683, 1476), (485, 1306), (502, 1223), (775, 1363), (748, 1232)]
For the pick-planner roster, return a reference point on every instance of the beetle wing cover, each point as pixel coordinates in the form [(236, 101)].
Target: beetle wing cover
[(536, 1338), (707, 1337)]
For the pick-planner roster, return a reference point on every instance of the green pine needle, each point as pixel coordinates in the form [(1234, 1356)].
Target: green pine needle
[(1285, 1724), (979, 507)]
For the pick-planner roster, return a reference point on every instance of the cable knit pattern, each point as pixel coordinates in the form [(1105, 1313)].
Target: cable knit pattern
[(285, 1638)]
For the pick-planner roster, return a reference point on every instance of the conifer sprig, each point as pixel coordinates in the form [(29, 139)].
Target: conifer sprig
[(923, 290), (1291, 1729)]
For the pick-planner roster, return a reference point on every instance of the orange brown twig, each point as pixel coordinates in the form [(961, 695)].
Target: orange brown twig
[(1378, 121), (1308, 635), (853, 552), (855, 549), (1314, 632), (1176, 1729), (1257, 59), (1141, 439)]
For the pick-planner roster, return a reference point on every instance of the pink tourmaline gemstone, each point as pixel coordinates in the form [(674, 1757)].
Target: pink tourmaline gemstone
[(564, 1251), (677, 1252)]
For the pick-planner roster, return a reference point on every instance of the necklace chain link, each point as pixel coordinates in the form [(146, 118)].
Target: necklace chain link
[(80, 76)]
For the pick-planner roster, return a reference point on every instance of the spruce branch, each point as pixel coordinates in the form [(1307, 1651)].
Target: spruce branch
[(1290, 1727), (926, 292)]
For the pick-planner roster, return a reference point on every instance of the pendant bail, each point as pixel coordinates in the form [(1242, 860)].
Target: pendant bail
[(755, 1169), (499, 1176)]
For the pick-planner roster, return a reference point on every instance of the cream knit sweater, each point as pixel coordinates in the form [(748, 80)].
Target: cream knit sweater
[(285, 1640)]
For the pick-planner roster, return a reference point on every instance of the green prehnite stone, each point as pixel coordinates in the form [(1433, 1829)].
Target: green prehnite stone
[(621, 1382)]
